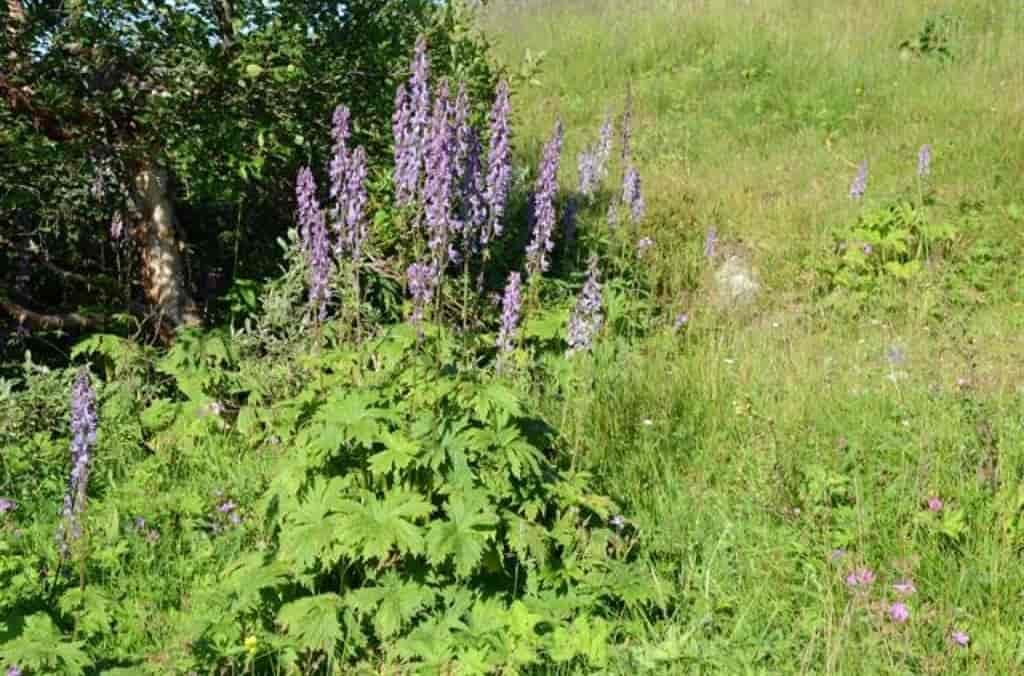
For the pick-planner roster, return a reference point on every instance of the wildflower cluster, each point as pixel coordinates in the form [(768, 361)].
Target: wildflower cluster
[(587, 317)]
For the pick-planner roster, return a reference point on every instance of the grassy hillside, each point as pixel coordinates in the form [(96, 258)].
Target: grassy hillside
[(772, 452)]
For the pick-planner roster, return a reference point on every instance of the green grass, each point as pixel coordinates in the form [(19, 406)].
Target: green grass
[(758, 444)]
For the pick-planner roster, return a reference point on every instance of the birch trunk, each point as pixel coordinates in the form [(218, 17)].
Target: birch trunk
[(163, 263)]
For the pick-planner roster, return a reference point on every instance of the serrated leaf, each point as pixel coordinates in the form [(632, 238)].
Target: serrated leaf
[(392, 604), (376, 527), (463, 534), (313, 621), (41, 647), (398, 454)]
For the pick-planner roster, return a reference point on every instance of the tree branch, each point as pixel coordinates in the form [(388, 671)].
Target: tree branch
[(71, 320), (224, 11)]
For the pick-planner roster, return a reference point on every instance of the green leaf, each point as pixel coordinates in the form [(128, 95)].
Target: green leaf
[(376, 527), (253, 70), (315, 530), (391, 605), (398, 454), (40, 647), (463, 535), (313, 621)]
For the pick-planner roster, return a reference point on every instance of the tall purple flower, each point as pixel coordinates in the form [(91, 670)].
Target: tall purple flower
[(422, 279), (437, 190), (544, 206), (410, 125), (511, 304), (631, 196), (468, 174), (586, 318), (924, 160), (338, 167), (313, 227), (860, 183), (83, 437), (355, 232), (593, 162), (499, 164)]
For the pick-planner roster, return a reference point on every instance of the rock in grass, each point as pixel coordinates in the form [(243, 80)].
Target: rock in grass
[(736, 283)]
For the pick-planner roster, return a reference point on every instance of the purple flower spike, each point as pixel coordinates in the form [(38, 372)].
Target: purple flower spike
[(410, 125), (631, 196), (469, 175), (338, 167), (860, 183), (643, 245), (544, 206), (83, 438), (355, 203), (587, 318), (511, 304), (924, 160), (899, 613), (437, 191), (499, 164), (422, 279), (593, 162), (313, 229)]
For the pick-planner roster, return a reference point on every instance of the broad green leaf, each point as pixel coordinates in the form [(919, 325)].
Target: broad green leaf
[(464, 533), (313, 622)]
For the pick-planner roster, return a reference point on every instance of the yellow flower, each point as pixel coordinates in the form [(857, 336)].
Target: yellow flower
[(250, 644)]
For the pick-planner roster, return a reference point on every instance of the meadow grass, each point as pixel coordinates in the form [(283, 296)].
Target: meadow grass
[(770, 453)]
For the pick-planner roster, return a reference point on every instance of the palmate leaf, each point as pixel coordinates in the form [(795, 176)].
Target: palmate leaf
[(351, 416), (314, 530), (246, 578), (392, 604), (313, 621), (464, 533), (41, 647), (374, 528), (398, 454)]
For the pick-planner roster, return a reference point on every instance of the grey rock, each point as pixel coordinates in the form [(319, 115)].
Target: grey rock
[(736, 283)]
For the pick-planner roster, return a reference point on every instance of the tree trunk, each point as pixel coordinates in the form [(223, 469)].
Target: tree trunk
[(163, 264)]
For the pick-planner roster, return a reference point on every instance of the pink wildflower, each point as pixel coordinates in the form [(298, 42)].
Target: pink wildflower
[(899, 613)]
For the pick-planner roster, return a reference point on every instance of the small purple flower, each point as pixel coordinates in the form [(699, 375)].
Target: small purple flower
[(14, 670), (836, 554), (227, 506), (904, 587), (924, 160), (935, 504), (899, 613), (586, 318), (510, 307), (643, 245), (140, 523), (867, 249), (960, 638), (710, 242), (499, 164), (7, 505), (860, 183), (682, 319), (544, 206), (861, 577), (235, 518)]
